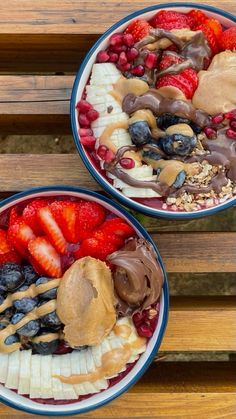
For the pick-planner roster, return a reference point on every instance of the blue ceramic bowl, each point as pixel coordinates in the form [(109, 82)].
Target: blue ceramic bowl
[(82, 76), (17, 401)]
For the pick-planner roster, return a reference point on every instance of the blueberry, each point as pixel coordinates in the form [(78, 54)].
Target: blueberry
[(195, 128), (140, 133), (50, 294), (25, 304), (178, 144), (12, 339), (11, 277), (151, 154), (29, 329), (1, 299), (180, 178), (45, 348), (167, 119), (30, 275), (51, 320)]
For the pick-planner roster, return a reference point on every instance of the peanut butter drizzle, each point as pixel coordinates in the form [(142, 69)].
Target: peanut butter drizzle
[(171, 168), (35, 314), (31, 292), (147, 115), (48, 337), (112, 361), (124, 86)]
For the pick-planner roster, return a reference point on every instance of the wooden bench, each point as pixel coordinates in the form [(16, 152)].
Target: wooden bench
[(50, 38)]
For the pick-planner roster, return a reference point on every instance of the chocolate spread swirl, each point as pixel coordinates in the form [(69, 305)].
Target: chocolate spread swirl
[(158, 105), (137, 277)]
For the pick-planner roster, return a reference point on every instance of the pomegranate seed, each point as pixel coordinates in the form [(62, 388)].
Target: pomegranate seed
[(233, 124), (217, 119), (83, 120), (132, 53), (144, 331), (231, 133), (88, 141), (92, 115), (109, 156), (128, 39), (83, 106), (127, 163), (137, 318), (138, 71), (124, 67), (150, 60), (210, 132), (116, 39), (113, 57), (102, 57), (85, 132), (118, 48), (122, 58), (101, 151), (230, 114)]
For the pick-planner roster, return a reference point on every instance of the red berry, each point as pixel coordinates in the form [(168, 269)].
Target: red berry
[(179, 82), (217, 119), (139, 28), (210, 37), (7, 254), (90, 215), (150, 60), (197, 17), (30, 214), (109, 156), (127, 163), (167, 60), (233, 125), (138, 318), (169, 19), (227, 39), (52, 229), (102, 57), (128, 39), (88, 141), (19, 235), (215, 26), (139, 70), (83, 120), (113, 57), (117, 226), (116, 39), (92, 115), (144, 331), (45, 256), (85, 132), (210, 132), (132, 53), (122, 59), (101, 151), (66, 215), (230, 115), (125, 67), (231, 133), (95, 248), (83, 106), (118, 48)]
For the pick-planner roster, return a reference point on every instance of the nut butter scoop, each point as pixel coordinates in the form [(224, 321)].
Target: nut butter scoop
[(85, 302)]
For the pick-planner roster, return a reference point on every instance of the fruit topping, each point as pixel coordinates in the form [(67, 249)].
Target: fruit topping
[(90, 215), (45, 256), (51, 293), (127, 163), (7, 253), (66, 214), (197, 17), (227, 39), (210, 37), (11, 277), (29, 329), (169, 19), (50, 320), (52, 230), (25, 305), (179, 181), (139, 28), (29, 274), (30, 214), (178, 144), (140, 133), (19, 235), (42, 347)]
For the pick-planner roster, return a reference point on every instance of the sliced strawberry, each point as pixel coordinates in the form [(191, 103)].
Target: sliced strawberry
[(210, 37), (227, 40), (66, 215), (215, 25), (30, 214), (169, 59), (169, 19), (197, 18), (105, 237), (13, 216), (19, 234), (117, 226), (139, 28), (52, 230), (7, 254), (11, 256), (45, 256), (177, 81), (90, 215), (92, 247)]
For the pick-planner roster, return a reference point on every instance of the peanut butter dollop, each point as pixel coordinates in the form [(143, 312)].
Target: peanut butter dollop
[(216, 91), (85, 302)]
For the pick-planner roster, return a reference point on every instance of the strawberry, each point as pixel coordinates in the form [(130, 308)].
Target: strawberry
[(45, 256), (13, 216), (7, 254), (210, 37), (197, 17), (30, 214), (227, 40), (168, 59), (169, 19), (90, 215), (177, 81), (19, 234), (117, 226), (139, 28), (92, 247), (52, 230), (66, 215), (215, 25), (113, 238)]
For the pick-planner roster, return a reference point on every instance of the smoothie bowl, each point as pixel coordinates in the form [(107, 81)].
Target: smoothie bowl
[(153, 110), (83, 301)]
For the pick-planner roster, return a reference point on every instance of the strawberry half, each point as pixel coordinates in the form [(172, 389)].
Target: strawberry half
[(210, 37), (227, 40), (19, 234), (169, 19), (30, 214), (52, 230), (66, 215), (95, 248), (197, 18), (45, 257), (117, 226), (139, 28), (7, 254), (90, 215)]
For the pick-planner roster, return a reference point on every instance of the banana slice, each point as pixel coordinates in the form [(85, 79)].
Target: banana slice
[(75, 369), (35, 373), (133, 192), (12, 379), (89, 387), (25, 372), (46, 376), (56, 384), (65, 367), (3, 367)]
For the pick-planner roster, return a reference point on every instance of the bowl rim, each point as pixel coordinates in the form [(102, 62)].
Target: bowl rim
[(165, 295), (129, 202)]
